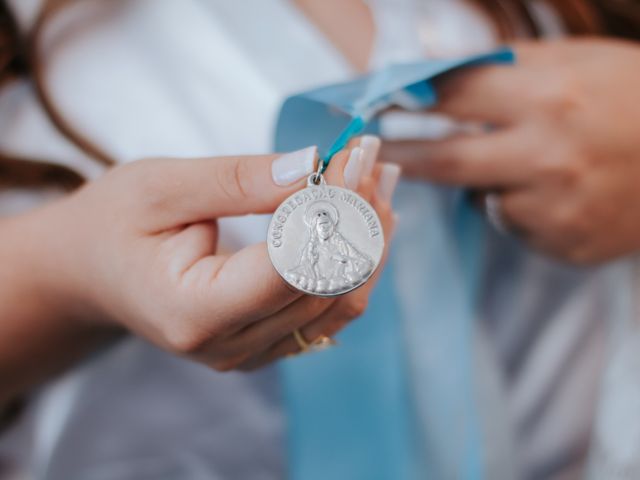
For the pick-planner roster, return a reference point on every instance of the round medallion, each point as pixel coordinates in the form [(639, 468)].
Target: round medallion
[(325, 240)]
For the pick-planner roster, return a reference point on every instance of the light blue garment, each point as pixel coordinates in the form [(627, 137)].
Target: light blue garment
[(354, 412), (331, 115)]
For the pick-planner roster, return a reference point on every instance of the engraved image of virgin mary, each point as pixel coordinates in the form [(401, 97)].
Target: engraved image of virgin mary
[(328, 263)]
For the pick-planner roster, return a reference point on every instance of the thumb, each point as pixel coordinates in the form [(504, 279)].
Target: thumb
[(183, 191)]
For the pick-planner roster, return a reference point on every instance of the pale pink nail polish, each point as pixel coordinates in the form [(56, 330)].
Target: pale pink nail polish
[(353, 168), (371, 146), (291, 167), (389, 177)]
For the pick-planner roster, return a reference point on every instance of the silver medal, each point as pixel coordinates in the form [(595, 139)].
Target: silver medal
[(325, 240)]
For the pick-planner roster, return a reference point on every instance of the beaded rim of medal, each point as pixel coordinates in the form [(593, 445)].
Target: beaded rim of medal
[(309, 283)]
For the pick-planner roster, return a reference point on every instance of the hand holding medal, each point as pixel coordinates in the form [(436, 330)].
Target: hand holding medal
[(328, 239), (138, 250)]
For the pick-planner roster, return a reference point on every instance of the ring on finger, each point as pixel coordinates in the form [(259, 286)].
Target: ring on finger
[(319, 344)]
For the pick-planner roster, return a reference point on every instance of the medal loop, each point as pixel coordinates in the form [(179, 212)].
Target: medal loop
[(316, 178)]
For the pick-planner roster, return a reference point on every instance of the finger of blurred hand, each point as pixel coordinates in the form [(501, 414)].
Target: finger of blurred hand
[(489, 94), (370, 145), (491, 160), (540, 218)]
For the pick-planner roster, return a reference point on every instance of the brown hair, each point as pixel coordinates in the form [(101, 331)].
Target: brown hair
[(20, 57), (581, 17)]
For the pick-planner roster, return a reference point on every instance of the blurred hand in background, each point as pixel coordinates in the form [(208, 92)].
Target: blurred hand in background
[(564, 150)]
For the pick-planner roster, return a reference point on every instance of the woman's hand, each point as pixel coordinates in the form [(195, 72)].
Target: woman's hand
[(137, 249), (563, 152)]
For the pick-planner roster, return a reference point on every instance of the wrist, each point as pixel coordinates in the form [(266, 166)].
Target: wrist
[(44, 254), (47, 323)]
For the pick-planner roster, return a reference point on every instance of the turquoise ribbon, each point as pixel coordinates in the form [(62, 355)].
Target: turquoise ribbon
[(395, 400), (347, 406), (353, 128)]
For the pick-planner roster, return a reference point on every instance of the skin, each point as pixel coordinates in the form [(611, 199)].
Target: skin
[(564, 153), (136, 251), (351, 31)]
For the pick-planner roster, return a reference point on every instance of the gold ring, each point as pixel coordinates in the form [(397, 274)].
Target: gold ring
[(321, 343)]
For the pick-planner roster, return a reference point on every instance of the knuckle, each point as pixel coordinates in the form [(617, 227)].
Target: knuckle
[(581, 255), (512, 210), (561, 219), (563, 96), (570, 176), (184, 341), (225, 365), (569, 220), (186, 336), (564, 171), (451, 158), (249, 367), (150, 183), (444, 166), (284, 349), (229, 364), (231, 179), (354, 308), (334, 326)]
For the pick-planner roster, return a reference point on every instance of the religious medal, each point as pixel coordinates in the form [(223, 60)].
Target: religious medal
[(325, 240)]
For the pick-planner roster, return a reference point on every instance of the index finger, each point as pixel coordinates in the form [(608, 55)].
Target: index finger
[(491, 160), (172, 192), (489, 94)]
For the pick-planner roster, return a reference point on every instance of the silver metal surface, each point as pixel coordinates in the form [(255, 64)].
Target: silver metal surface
[(325, 240)]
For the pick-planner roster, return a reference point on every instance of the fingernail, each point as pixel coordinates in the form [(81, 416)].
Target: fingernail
[(389, 177), (371, 146), (291, 167), (353, 168)]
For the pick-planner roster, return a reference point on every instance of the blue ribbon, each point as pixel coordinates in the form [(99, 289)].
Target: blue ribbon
[(395, 400)]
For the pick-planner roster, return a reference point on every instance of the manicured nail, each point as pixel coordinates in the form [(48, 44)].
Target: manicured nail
[(389, 177), (353, 168), (291, 167), (371, 146)]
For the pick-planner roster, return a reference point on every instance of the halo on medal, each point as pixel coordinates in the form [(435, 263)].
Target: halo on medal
[(316, 209), (328, 263)]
